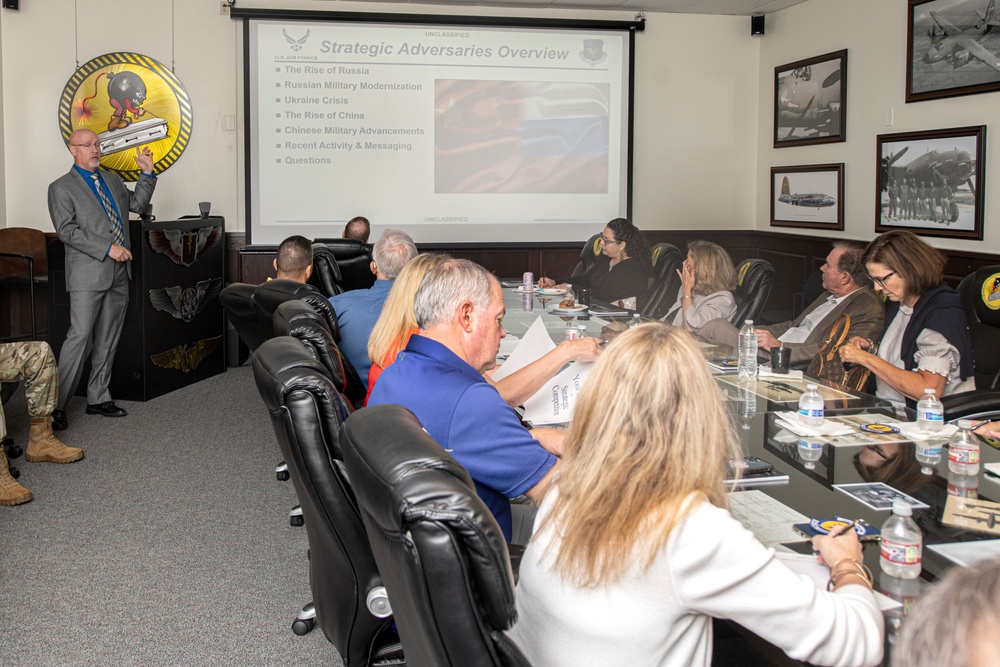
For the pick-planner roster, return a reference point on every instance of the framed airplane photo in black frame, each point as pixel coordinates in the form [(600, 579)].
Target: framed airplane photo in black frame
[(810, 101), (952, 48), (808, 196), (931, 183)]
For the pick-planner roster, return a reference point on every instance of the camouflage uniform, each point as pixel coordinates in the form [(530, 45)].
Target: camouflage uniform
[(34, 363)]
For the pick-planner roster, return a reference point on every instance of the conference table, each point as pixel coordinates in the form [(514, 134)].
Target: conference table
[(818, 467)]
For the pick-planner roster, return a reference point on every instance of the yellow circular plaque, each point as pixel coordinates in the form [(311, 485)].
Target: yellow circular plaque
[(991, 292), (129, 101)]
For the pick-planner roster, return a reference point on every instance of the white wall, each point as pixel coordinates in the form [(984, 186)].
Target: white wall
[(695, 104), (874, 34)]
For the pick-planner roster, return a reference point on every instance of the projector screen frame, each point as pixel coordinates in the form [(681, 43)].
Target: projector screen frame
[(249, 14)]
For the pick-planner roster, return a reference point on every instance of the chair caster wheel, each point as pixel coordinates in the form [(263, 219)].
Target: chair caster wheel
[(13, 451), (303, 627), (295, 517), (281, 472), (14, 472)]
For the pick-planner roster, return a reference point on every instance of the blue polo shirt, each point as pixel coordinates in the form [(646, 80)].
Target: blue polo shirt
[(467, 416), (357, 312)]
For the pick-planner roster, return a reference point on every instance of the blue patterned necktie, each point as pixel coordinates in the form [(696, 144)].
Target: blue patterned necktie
[(109, 208)]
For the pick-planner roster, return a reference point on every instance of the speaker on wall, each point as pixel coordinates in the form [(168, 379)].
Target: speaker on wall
[(756, 26)]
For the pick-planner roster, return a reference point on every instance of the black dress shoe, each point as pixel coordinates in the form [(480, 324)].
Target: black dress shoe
[(107, 408), (59, 422)]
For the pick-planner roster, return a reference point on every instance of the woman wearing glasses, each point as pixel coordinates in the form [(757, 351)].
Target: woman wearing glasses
[(925, 342), (622, 270), (636, 581), (707, 283)]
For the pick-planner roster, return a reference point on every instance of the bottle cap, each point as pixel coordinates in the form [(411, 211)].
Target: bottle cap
[(965, 424), (902, 508), (930, 391), (747, 321), (811, 387)]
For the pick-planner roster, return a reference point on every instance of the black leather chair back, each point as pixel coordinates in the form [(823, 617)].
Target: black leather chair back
[(440, 551), (238, 301), (754, 279), (305, 411), (980, 295), (354, 259), (588, 255), (667, 259), (326, 276), (303, 321)]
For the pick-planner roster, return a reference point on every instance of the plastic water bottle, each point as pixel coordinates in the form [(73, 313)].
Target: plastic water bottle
[(811, 407), (902, 543), (928, 454), (963, 486), (810, 451), (930, 412), (636, 321), (963, 450), (747, 366)]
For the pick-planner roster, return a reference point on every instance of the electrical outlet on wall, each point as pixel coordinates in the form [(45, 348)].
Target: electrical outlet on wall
[(224, 7)]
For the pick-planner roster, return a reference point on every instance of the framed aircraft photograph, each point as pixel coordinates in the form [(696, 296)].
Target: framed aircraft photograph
[(810, 98), (952, 48), (808, 196), (931, 182)]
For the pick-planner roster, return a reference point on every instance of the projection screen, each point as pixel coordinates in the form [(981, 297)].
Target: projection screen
[(454, 133)]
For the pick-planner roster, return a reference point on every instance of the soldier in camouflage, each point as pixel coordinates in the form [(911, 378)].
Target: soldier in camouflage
[(33, 363)]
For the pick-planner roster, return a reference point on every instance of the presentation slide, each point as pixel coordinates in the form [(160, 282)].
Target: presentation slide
[(454, 134)]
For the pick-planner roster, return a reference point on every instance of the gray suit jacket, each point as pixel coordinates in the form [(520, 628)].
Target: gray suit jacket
[(82, 224), (864, 307)]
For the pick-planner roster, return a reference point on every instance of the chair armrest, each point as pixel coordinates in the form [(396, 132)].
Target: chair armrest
[(972, 404)]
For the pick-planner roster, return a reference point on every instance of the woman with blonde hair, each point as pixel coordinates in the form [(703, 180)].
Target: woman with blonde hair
[(635, 550), (707, 283), (398, 322)]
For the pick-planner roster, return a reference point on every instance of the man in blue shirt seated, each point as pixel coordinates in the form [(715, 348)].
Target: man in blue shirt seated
[(358, 310), (459, 311)]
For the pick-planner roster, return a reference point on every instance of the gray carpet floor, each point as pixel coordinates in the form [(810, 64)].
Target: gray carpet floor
[(169, 544)]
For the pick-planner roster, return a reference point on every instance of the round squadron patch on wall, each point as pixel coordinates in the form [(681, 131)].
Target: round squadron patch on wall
[(128, 100)]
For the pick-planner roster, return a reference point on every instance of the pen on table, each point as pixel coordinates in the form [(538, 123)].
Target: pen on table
[(850, 526)]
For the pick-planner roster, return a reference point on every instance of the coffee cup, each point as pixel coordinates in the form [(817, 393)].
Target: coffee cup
[(781, 357)]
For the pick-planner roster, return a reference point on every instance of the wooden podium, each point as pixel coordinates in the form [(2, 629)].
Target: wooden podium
[(174, 324)]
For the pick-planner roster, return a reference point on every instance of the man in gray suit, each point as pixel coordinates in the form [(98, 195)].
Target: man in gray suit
[(848, 290), (89, 208)]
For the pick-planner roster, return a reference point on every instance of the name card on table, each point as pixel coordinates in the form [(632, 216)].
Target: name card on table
[(554, 402)]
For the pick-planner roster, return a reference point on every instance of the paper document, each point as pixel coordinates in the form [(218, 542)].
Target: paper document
[(968, 553), (768, 519), (820, 574), (532, 346)]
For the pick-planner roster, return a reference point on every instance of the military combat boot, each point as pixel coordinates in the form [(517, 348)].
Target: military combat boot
[(11, 493), (44, 446)]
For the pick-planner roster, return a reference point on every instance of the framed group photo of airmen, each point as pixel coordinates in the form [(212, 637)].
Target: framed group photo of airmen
[(952, 48), (810, 101), (931, 182), (808, 196)]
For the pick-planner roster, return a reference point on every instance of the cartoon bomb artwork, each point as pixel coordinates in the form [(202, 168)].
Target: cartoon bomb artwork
[(126, 93), (128, 100)]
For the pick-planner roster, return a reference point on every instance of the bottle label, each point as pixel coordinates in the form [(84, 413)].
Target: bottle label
[(900, 554), (813, 412), (931, 416), (963, 456), (929, 450), (963, 491)]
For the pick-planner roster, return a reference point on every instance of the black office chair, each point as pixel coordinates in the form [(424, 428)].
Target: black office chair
[(588, 255), (354, 259), (754, 279), (24, 265), (441, 553), (237, 300), (348, 597), (326, 276), (304, 321), (667, 259), (980, 296)]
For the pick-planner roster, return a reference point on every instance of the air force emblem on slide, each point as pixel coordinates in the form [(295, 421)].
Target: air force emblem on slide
[(593, 52)]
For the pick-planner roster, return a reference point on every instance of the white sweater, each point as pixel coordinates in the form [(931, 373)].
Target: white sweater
[(711, 566)]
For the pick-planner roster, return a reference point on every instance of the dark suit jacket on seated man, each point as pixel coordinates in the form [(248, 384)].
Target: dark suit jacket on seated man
[(848, 290), (438, 377), (89, 208)]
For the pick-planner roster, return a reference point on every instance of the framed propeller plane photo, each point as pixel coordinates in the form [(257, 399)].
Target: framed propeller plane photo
[(931, 182), (952, 48), (808, 196), (810, 101)]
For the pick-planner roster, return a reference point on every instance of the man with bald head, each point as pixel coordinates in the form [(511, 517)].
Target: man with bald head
[(89, 208)]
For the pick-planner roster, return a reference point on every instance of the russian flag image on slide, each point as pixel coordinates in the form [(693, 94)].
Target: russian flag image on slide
[(520, 137)]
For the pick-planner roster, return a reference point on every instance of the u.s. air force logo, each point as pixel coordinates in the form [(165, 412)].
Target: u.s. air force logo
[(991, 292), (128, 100), (295, 43), (593, 52)]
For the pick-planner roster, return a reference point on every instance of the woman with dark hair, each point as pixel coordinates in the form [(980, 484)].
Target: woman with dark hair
[(622, 270), (925, 342)]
